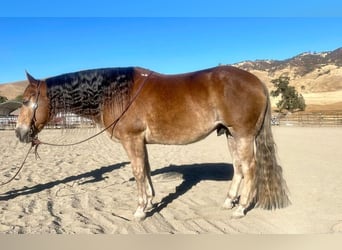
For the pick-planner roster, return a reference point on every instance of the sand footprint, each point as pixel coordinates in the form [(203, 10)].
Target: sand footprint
[(337, 228)]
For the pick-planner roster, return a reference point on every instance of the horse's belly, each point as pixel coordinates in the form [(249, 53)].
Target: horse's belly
[(176, 135)]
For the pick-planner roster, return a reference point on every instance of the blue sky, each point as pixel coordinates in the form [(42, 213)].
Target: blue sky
[(58, 43), (171, 8)]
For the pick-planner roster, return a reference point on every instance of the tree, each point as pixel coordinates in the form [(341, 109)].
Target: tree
[(19, 98), (290, 99), (3, 99)]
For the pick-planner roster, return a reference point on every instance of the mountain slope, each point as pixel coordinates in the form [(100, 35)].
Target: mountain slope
[(12, 90), (308, 72)]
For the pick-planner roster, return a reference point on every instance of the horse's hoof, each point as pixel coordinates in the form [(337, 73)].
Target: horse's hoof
[(139, 215), (239, 213), (228, 204)]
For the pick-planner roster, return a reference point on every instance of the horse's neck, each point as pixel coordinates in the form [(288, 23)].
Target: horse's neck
[(89, 103), (82, 102), (85, 93)]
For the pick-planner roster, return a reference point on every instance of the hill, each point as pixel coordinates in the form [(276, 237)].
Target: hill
[(12, 90), (311, 72), (317, 76)]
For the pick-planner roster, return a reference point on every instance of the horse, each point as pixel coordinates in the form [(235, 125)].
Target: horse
[(154, 108)]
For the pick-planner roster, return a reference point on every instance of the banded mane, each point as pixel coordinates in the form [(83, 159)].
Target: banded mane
[(86, 93)]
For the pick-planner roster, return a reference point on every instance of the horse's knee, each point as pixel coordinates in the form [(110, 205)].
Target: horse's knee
[(138, 170), (139, 175)]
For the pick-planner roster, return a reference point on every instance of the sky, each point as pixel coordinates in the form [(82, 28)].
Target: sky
[(60, 40)]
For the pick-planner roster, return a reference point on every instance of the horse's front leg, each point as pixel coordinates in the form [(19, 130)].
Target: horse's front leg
[(136, 150), (149, 185)]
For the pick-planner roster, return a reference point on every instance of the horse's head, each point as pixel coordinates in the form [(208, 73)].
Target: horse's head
[(34, 113)]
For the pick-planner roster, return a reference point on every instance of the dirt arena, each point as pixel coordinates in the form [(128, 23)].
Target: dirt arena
[(90, 188)]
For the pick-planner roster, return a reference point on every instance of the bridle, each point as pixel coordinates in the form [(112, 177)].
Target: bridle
[(33, 129)]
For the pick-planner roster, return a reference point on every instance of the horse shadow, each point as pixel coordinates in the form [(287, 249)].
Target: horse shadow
[(192, 175), (91, 176)]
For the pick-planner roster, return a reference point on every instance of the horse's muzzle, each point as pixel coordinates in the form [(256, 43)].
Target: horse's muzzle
[(23, 134)]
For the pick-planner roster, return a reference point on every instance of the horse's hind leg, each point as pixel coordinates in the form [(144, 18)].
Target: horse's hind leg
[(137, 152), (245, 151), (235, 184)]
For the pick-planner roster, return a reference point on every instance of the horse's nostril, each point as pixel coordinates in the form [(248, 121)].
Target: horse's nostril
[(16, 133), (22, 134)]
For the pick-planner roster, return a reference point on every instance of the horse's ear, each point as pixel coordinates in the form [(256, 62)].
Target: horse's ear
[(31, 79)]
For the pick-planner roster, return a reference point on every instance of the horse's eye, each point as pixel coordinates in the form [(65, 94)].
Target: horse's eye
[(26, 102)]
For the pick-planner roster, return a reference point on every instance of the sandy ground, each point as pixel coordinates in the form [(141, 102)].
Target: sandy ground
[(89, 188)]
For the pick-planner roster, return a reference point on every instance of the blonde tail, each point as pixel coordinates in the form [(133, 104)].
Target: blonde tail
[(269, 186)]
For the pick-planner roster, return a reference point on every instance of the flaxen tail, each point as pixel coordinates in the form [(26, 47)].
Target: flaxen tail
[(269, 186)]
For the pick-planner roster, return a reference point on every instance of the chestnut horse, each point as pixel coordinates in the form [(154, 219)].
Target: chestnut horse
[(170, 109)]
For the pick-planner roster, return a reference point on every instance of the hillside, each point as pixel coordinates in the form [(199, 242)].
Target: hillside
[(318, 76), (309, 72), (12, 90)]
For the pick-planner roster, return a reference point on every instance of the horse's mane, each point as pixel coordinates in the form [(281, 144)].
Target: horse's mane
[(87, 92)]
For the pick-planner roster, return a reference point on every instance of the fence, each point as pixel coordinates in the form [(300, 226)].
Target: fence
[(65, 121), (312, 119), (70, 120), (8, 122), (297, 119)]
